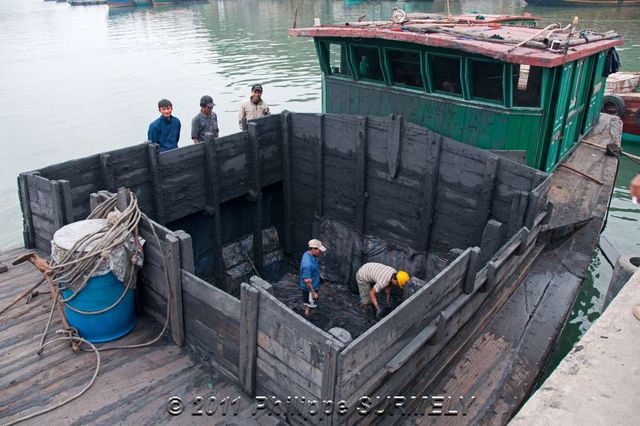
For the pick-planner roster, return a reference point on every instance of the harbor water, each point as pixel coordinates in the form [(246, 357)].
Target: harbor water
[(81, 80)]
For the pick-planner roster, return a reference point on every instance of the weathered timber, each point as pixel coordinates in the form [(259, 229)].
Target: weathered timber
[(28, 229), (172, 259), (491, 238), (186, 251), (408, 351), (212, 180), (249, 307), (393, 145), (213, 297), (361, 174), (429, 194), (259, 282), (58, 205), (258, 255), (286, 181), (154, 175), (472, 268), (106, 173), (488, 183)]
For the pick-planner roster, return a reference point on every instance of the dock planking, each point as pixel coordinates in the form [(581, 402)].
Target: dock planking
[(132, 386)]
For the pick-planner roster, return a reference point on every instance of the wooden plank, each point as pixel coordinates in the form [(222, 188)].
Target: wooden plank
[(187, 261), (491, 238), (28, 232), (430, 192), (67, 205), (319, 185), (286, 181), (58, 205), (249, 307), (298, 370), (519, 201), (172, 258), (361, 174), (258, 255), (472, 268), (212, 296), (491, 282), (486, 194), (106, 173), (408, 351), (153, 154), (213, 207), (393, 145), (259, 282), (330, 372)]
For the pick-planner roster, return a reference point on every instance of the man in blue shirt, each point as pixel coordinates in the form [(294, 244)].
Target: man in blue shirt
[(310, 275), (165, 131)]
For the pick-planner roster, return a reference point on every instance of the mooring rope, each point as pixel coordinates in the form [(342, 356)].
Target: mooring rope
[(77, 267)]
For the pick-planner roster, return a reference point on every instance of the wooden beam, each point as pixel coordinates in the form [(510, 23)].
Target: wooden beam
[(248, 351), (491, 238), (106, 173), (519, 201), (441, 327), (213, 207), (28, 232), (319, 189), (491, 282), (58, 205), (187, 261), (472, 268), (286, 181), (430, 189), (411, 349), (154, 172), (330, 373), (486, 192), (260, 283), (65, 188), (172, 258), (393, 144), (361, 174), (258, 258)]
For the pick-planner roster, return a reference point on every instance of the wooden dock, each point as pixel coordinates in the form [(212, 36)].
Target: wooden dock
[(133, 385)]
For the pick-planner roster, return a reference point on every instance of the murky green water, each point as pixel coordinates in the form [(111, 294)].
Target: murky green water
[(81, 80)]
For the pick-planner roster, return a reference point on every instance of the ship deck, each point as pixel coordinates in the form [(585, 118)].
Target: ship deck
[(132, 387)]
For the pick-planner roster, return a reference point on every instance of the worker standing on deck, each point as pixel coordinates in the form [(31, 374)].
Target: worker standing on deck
[(205, 124), (310, 275), (374, 277), (165, 131), (253, 108)]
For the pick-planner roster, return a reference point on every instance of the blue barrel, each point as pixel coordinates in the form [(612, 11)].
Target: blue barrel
[(100, 293)]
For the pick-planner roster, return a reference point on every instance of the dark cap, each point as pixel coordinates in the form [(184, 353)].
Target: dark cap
[(256, 87), (206, 100), (164, 103)]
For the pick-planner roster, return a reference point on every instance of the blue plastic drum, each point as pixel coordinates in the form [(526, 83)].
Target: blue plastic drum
[(99, 293)]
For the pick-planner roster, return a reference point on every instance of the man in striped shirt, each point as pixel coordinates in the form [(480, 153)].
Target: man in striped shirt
[(372, 278)]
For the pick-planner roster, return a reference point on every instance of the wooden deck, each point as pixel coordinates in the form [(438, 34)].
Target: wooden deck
[(133, 385)]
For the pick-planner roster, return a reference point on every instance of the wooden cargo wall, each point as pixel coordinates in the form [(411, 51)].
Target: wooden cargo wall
[(400, 182), (169, 186)]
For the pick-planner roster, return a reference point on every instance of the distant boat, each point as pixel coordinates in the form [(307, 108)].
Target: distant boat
[(143, 2), (121, 3), (164, 2), (565, 3), (622, 98)]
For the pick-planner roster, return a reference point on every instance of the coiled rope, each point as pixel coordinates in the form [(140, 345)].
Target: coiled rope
[(76, 267)]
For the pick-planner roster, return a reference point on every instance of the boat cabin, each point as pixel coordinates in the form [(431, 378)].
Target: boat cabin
[(478, 81)]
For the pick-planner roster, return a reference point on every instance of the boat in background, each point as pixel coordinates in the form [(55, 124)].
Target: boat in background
[(622, 98), (144, 3), (121, 3), (584, 3)]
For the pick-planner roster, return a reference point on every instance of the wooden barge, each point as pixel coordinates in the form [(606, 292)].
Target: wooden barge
[(466, 223)]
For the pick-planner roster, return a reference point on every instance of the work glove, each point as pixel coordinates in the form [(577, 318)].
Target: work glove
[(378, 313)]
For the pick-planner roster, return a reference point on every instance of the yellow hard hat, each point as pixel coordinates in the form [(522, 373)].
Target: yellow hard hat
[(402, 278)]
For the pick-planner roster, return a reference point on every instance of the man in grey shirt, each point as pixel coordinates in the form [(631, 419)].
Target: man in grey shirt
[(205, 124)]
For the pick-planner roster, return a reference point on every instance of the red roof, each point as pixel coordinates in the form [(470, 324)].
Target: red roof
[(492, 40)]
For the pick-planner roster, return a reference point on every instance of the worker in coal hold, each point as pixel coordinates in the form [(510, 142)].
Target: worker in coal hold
[(253, 108), (310, 275), (372, 278)]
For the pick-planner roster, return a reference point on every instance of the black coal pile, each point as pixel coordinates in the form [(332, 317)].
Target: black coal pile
[(337, 305)]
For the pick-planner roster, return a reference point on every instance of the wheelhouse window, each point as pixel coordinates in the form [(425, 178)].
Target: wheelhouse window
[(445, 74), (405, 68), (368, 63), (486, 80), (337, 54), (527, 84)]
